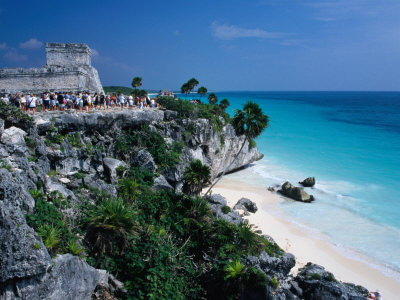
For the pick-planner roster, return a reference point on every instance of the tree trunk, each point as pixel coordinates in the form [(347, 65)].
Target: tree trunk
[(223, 173)]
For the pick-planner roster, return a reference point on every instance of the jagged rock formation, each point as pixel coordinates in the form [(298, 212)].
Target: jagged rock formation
[(246, 205), (68, 68)]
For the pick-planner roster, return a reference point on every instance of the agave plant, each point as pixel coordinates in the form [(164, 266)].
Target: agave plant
[(129, 188), (234, 269), (50, 236), (248, 239), (109, 224)]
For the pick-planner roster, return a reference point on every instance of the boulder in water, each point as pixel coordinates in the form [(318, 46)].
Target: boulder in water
[(308, 182), (296, 193)]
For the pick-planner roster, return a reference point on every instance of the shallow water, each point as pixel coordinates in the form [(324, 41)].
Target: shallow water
[(350, 141)]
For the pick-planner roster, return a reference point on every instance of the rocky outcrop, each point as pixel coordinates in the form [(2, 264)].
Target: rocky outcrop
[(308, 182), (296, 193), (246, 205), (317, 283), (13, 136), (145, 160), (68, 278)]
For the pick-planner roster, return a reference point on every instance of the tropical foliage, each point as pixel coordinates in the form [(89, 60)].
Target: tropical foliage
[(196, 175)]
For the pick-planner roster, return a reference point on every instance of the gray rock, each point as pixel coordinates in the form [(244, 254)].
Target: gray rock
[(22, 253), (69, 278), (217, 199), (160, 183), (145, 160), (1, 126), (317, 283), (66, 193), (13, 136), (246, 205), (296, 193), (170, 115), (273, 266), (110, 167), (308, 182)]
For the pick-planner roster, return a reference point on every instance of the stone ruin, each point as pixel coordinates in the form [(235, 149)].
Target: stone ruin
[(68, 69)]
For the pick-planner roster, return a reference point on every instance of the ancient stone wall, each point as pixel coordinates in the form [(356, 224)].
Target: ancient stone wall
[(68, 69), (58, 54)]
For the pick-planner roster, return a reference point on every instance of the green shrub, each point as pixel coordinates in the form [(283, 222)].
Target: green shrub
[(75, 140), (37, 246), (52, 173), (31, 143), (74, 248), (234, 269), (32, 158), (315, 276), (50, 236), (226, 209), (222, 140), (274, 283), (4, 165), (13, 116)]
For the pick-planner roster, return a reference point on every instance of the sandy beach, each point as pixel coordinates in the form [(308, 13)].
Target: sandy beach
[(307, 246)]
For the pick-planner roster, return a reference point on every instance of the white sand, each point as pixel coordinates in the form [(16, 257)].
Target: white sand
[(307, 247)]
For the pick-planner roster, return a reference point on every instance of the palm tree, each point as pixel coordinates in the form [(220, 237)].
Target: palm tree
[(212, 98), (250, 122), (109, 223), (192, 83), (136, 82), (202, 91), (224, 103), (185, 89), (195, 176)]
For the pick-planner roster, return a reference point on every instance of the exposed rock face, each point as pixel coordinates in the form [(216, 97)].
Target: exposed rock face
[(308, 182), (69, 278), (111, 166), (68, 69), (317, 283), (296, 193), (160, 183), (145, 160), (246, 205), (13, 136)]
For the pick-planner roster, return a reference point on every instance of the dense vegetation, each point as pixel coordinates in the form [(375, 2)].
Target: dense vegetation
[(187, 109), (118, 90), (155, 242)]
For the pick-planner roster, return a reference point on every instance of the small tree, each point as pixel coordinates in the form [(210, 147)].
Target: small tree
[(136, 82), (212, 99), (185, 89), (250, 122), (202, 91), (195, 176), (224, 103), (192, 83)]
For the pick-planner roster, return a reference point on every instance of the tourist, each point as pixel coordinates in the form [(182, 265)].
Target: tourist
[(130, 101), (6, 99), (23, 102), (53, 101), (121, 99), (102, 101), (60, 101), (89, 100), (95, 101), (108, 102), (32, 104), (153, 102)]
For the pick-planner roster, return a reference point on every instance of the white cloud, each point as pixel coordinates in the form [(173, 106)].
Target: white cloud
[(13, 55), (230, 32), (32, 43), (3, 46)]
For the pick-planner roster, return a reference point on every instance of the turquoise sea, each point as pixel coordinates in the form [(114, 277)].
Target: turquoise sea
[(350, 141)]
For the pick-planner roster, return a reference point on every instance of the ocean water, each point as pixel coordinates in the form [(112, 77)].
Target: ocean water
[(350, 141)]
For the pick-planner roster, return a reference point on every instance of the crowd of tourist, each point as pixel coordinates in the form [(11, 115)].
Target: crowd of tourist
[(81, 101)]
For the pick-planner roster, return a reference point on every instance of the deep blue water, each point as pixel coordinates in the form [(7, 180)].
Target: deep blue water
[(350, 141)]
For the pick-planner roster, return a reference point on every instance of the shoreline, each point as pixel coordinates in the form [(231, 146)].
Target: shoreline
[(302, 243)]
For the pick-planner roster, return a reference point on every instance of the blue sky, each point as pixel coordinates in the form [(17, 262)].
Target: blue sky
[(226, 45)]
